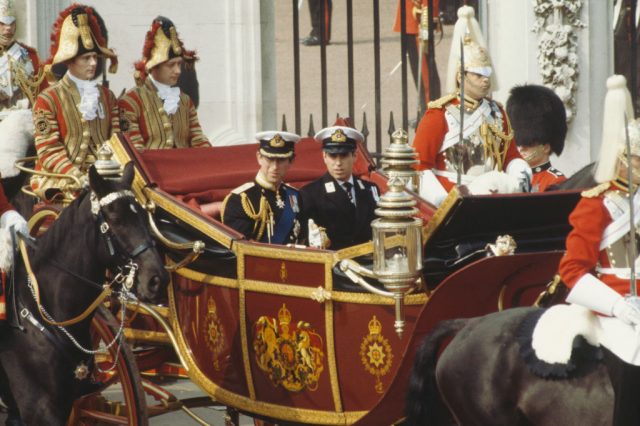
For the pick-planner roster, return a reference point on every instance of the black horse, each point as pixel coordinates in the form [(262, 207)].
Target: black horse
[(481, 378), (103, 229)]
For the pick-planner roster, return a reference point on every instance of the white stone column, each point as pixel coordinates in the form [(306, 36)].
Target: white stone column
[(514, 47)]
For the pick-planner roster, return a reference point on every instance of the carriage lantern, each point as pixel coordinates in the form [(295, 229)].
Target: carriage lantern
[(396, 234), (105, 164), (399, 159), (397, 245)]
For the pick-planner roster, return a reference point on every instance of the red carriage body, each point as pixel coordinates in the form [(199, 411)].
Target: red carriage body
[(280, 332)]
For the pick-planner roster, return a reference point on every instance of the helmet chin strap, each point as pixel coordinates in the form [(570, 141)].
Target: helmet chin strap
[(635, 171), (5, 42)]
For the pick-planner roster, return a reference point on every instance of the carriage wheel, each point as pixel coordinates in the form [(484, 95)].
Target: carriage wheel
[(122, 400)]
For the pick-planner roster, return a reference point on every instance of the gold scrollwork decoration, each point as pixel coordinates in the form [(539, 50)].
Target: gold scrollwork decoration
[(291, 355), (376, 353)]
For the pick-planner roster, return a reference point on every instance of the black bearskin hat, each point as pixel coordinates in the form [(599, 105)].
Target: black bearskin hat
[(537, 116)]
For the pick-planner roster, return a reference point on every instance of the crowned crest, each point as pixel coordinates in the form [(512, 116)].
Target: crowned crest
[(276, 141), (338, 136)]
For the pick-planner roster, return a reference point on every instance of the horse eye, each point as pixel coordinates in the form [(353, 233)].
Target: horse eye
[(133, 208)]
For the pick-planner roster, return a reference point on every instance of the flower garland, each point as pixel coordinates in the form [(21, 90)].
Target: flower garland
[(556, 24)]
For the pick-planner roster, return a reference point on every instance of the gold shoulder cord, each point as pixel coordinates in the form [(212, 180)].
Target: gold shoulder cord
[(262, 218), (30, 85), (492, 136)]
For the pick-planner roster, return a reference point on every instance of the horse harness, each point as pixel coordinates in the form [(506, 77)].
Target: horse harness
[(126, 276)]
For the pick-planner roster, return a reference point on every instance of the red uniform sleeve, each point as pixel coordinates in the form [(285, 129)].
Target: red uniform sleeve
[(130, 113), (4, 203), (588, 219), (429, 137)]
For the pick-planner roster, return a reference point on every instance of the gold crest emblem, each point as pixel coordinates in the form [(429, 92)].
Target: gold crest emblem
[(375, 353), (283, 272), (277, 141), (215, 335), (338, 136), (291, 355), (42, 124)]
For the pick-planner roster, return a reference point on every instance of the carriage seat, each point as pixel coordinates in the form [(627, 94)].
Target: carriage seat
[(202, 177)]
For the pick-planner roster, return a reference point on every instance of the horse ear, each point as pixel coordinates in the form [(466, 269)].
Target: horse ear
[(128, 174), (96, 182)]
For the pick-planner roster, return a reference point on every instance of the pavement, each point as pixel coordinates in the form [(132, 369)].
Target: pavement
[(337, 81)]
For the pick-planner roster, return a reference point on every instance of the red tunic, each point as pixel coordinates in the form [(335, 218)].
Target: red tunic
[(411, 22), (589, 220), (430, 135), (545, 177), (65, 142), (149, 126)]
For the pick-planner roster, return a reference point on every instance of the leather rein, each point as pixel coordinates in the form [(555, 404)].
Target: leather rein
[(125, 276)]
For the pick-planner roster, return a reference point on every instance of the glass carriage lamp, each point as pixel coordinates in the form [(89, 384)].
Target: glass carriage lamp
[(397, 245)]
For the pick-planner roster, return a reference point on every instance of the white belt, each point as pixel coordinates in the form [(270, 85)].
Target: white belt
[(453, 177), (624, 273)]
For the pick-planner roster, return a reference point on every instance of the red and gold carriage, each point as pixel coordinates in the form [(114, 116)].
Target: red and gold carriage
[(287, 334)]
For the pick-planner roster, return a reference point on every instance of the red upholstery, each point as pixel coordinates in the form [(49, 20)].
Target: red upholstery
[(209, 174)]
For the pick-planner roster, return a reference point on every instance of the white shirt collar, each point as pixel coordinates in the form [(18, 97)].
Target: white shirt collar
[(170, 95)]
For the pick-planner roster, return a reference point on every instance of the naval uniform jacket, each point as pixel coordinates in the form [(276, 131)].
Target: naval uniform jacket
[(327, 203), (286, 213), (589, 220), (149, 126), (432, 130), (544, 176), (65, 142)]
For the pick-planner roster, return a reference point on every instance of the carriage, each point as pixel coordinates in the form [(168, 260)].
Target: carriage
[(288, 334)]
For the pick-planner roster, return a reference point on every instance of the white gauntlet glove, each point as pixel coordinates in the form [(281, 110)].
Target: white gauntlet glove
[(12, 218), (627, 310)]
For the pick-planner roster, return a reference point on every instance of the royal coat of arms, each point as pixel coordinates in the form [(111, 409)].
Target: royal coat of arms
[(291, 355)]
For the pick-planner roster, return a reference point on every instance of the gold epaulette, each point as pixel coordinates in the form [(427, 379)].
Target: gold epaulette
[(596, 190), (441, 102), (243, 187)]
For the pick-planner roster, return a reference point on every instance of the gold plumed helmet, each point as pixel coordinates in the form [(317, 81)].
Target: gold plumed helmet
[(161, 44), (617, 105), (476, 56), (79, 29), (7, 12)]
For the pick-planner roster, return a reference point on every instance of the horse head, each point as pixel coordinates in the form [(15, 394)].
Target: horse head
[(125, 227)]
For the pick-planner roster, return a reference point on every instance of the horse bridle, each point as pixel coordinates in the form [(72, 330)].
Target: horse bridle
[(114, 245)]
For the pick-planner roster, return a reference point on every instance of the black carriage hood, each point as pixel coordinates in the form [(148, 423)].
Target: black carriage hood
[(462, 227)]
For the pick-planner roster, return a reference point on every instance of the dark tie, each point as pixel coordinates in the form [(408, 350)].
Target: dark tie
[(347, 187)]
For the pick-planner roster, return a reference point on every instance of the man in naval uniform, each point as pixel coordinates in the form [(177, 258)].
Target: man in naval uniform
[(19, 84), (340, 202), (267, 209), (539, 123), (76, 115), (157, 114), (596, 265), (486, 150)]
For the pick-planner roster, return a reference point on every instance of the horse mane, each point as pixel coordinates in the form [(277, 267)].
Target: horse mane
[(72, 215)]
